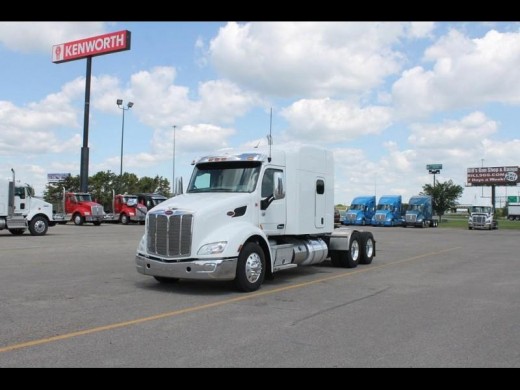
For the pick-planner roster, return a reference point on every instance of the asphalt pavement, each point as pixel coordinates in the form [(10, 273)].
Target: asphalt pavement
[(431, 298)]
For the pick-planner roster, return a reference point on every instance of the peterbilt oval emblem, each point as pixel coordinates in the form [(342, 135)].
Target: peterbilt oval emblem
[(168, 212), (511, 176), (230, 213)]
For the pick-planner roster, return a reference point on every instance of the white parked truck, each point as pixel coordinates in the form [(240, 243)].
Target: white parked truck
[(246, 215), (20, 210), (482, 217)]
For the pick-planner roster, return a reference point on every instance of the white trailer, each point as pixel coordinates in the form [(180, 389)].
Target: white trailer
[(246, 215), (20, 210), (513, 211)]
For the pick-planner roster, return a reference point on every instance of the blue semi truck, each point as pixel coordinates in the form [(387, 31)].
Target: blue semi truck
[(361, 211), (388, 211), (420, 212)]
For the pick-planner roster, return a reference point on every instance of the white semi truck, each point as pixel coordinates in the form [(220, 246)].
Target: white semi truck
[(246, 215), (20, 210)]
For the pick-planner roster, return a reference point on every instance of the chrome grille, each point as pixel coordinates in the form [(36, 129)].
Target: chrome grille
[(97, 210), (350, 217), (411, 217), (479, 220), (170, 235), (380, 217)]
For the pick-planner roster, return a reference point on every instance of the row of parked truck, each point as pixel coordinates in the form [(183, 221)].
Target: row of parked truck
[(20, 210), (389, 211)]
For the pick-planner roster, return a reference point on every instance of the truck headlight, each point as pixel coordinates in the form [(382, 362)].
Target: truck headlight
[(213, 248)]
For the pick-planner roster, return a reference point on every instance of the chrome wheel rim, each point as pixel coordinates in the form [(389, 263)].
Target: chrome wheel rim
[(253, 268), (369, 248), (354, 250), (39, 226)]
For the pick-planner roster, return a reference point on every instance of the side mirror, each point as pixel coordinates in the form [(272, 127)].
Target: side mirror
[(279, 187)]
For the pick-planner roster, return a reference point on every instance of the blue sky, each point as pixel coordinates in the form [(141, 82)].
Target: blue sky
[(387, 98)]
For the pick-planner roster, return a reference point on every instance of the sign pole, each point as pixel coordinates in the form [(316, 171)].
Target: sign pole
[(84, 150)]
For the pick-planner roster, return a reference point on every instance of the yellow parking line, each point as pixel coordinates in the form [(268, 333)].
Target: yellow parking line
[(192, 309)]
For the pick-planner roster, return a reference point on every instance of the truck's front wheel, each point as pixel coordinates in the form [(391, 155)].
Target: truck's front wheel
[(78, 219), (124, 219), (39, 226), (250, 268)]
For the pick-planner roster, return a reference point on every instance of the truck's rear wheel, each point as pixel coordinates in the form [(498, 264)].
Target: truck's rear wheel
[(16, 232), (349, 258), (39, 226), (250, 268), (78, 219), (124, 219), (368, 248), (162, 279)]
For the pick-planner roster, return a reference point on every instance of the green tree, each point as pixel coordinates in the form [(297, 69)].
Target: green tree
[(444, 196)]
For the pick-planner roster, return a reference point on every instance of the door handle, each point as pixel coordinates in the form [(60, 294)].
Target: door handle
[(280, 226)]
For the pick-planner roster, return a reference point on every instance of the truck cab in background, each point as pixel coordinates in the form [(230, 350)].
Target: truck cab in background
[(80, 208), (388, 211), (482, 217), (150, 200), (361, 211), (21, 210), (420, 212), (125, 209)]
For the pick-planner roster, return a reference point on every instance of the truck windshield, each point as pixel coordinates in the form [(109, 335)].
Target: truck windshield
[(385, 207), (357, 207), (83, 198), (240, 176), (480, 209), (417, 207)]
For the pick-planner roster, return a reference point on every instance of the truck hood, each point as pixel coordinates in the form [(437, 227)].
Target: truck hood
[(207, 205)]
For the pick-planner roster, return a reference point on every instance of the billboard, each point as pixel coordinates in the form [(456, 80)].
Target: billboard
[(57, 177), (487, 176), (90, 47)]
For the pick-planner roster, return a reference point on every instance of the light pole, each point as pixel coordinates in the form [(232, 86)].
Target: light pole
[(173, 176), (129, 105)]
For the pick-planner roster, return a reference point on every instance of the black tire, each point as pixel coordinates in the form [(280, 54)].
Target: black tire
[(250, 268), (164, 280), (17, 232), (368, 248), (78, 219), (39, 226), (350, 258), (124, 219)]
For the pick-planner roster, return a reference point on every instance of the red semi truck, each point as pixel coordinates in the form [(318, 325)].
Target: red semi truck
[(126, 208), (80, 208)]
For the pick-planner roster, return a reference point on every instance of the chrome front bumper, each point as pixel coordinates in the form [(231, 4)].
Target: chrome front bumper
[(218, 269)]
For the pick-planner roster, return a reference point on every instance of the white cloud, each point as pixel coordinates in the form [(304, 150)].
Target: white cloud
[(160, 103), (421, 29), (334, 120), (464, 133), (31, 129), (316, 59), (41, 36), (466, 72)]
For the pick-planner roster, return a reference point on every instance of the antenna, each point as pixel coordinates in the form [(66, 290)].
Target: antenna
[(270, 138)]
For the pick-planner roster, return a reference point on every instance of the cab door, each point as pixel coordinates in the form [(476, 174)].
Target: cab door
[(272, 211), (20, 200)]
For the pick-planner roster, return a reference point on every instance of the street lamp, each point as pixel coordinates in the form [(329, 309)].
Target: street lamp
[(173, 177), (129, 105)]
